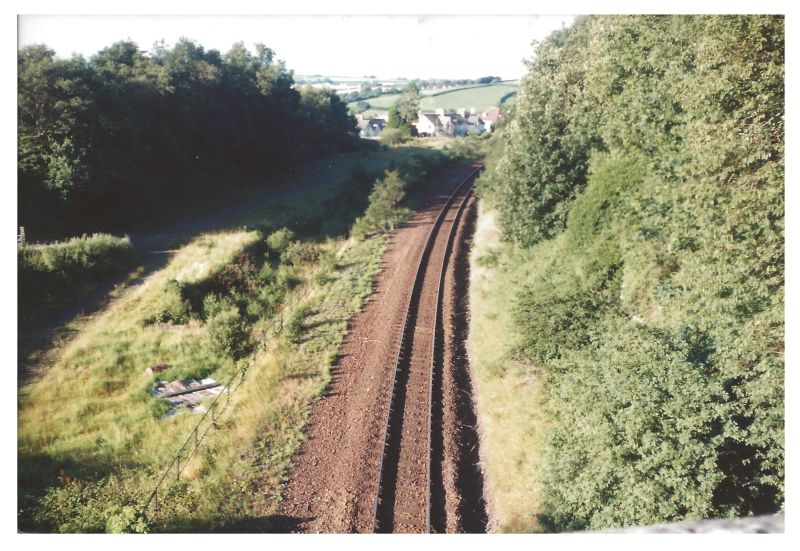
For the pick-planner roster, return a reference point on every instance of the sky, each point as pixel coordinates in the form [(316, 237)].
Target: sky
[(387, 46)]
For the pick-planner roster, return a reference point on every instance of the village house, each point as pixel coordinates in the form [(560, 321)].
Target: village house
[(370, 127), (458, 123)]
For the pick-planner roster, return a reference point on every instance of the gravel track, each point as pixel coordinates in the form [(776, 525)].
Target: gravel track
[(331, 485)]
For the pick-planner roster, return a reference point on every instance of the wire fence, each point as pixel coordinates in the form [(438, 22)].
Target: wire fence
[(215, 409)]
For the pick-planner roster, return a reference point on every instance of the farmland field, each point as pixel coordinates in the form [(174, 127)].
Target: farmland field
[(479, 97)]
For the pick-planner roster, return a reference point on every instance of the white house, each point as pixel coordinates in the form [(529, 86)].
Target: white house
[(459, 123)]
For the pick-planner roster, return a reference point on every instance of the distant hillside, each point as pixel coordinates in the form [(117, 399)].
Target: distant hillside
[(480, 97)]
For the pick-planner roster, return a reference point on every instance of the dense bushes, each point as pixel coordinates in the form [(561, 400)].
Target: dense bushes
[(48, 274), (228, 333), (384, 209), (127, 136), (650, 150)]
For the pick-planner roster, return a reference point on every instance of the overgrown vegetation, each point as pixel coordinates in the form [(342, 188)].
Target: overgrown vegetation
[(642, 176), (384, 210), (127, 136), (274, 300), (51, 274)]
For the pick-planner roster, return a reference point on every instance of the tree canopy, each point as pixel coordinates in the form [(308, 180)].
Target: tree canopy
[(128, 134)]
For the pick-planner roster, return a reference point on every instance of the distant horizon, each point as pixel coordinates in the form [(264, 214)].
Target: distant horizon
[(391, 47)]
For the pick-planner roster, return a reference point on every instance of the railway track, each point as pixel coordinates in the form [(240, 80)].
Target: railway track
[(407, 477)]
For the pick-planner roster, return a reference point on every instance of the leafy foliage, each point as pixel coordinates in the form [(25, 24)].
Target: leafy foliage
[(228, 333), (126, 136), (279, 240), (647, 153), (108, 505), (384, 209)]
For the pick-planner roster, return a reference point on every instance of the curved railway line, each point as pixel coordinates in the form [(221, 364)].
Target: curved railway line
[(407, 478)]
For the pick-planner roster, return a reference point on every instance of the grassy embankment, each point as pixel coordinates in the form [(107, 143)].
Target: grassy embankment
[(510, 421), (57, 277), (91, 420)]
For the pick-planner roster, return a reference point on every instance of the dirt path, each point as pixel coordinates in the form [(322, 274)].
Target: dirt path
[(332, 482)]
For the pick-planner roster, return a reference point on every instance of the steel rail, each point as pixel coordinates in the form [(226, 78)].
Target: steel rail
[(415, 290), (437, 327)]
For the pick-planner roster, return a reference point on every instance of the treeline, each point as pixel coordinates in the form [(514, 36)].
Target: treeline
[(442, 83), (128, 135), (645, 164)]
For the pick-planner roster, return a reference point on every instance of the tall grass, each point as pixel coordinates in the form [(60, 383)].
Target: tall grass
[(52, 274), (511, 420), (92, 441)]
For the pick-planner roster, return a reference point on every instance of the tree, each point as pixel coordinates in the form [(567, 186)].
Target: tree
[(644, 168), (394, 118), (408, 104), (127, 136)]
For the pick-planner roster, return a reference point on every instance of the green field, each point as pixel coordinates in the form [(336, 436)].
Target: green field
[(479, 97)]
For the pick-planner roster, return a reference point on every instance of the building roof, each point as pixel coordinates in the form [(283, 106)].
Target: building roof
[(493, 114)]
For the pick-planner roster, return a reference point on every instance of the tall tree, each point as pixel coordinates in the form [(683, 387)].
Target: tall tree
[(109, 142), (409, 102)]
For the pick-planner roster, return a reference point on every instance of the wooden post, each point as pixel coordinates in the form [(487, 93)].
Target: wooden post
[(177, 468), (21, 239), (195, 439)]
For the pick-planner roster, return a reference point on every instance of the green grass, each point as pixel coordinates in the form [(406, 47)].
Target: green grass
[(479, 97), (91, 414), (510, 419), (54, 274)]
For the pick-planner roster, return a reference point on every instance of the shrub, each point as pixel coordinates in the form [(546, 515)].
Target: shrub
[(395, 136), (213, 304), (384, 211), (293, 327), (228, 334), (52, 274), (175, 307), (279, 240), (298, 253), (79, 256), (106, 505)]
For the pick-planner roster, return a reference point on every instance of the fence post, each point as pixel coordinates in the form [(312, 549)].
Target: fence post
[(195, 439), (177, 468)]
